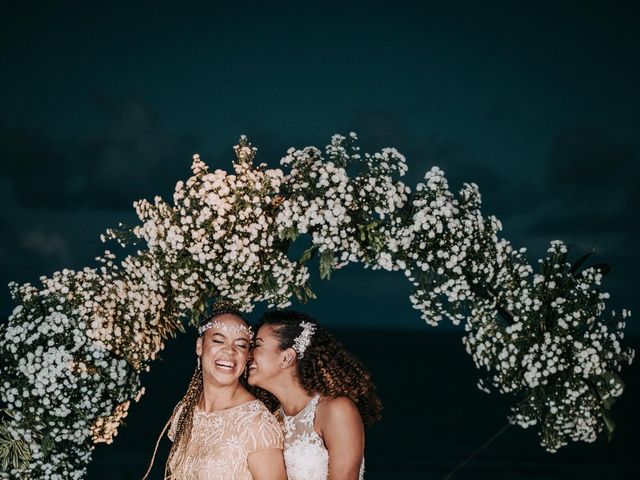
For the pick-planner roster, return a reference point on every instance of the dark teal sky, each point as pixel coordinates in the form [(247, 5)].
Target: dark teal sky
[(537, 102)]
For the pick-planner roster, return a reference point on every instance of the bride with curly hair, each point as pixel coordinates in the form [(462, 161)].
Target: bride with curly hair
[(325, 396)]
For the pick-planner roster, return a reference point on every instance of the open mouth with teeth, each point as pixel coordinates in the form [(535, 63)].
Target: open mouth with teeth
[(226, 366)]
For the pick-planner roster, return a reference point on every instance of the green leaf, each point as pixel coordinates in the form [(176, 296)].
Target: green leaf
[(309, 292), (578, 263), (605, 383), (307, 255), (304, 294), (269, 284), (289, 233), (377, 241), (609, 424), (12, 452), (47, 444), (369, 235), (298, 293), (327, 264), (612, 376)]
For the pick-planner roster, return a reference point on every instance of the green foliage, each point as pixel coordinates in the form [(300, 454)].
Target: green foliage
[(14, 452), (327, 264)]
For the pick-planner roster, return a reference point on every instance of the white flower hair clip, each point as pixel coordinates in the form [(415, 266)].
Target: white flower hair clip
[(303, 340)]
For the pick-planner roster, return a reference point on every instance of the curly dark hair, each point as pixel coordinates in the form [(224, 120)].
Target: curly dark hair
[(326, 367)]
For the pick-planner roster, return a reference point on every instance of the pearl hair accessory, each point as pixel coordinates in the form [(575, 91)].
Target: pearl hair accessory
[(222, 307), (226, 327), (303, 340)]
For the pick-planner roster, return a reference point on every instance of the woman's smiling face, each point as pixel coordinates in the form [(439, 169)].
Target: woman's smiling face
[(224, 349), (267, 358)]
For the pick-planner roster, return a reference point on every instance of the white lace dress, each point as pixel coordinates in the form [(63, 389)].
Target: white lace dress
[(305, 455)]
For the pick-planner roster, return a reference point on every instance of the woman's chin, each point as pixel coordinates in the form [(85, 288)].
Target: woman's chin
[(253, 380), (224, 378)]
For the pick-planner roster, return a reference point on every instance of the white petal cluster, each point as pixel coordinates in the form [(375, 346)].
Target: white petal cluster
[(521, 327), (553, 348), (59, 378), (348, 218), (220, 239), (449, 245), (73, 350), (318, 200)]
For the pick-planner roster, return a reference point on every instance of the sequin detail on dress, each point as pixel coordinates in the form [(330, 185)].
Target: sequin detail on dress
[(305, 455), (222, 441)]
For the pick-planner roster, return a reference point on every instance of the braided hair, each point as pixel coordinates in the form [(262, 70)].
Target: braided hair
[(185, 409), (326, 367), (187, 405)]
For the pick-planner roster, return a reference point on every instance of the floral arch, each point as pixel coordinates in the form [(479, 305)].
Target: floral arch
[(73, 349)]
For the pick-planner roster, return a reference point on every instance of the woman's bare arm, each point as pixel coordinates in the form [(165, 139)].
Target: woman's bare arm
[(340, 425), (267, 464)]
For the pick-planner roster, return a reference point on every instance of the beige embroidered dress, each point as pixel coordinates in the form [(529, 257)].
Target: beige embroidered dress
[(222, 441)]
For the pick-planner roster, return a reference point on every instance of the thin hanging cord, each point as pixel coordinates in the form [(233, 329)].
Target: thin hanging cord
[(155, 450), (466, 460)]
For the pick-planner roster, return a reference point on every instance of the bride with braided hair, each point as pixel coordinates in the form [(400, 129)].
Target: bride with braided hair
[(220, 430), (325, 396)]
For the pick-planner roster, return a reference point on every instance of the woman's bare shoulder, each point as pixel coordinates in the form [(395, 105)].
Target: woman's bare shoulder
[(336, 409)]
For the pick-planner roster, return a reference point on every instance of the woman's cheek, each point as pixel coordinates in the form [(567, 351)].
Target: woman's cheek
[(244, 355)]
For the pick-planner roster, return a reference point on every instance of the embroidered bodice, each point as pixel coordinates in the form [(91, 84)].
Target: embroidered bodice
[(222, 441), (305, 455)]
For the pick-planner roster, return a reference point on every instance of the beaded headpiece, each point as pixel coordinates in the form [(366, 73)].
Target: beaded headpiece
[(222, 307), (303, 340)]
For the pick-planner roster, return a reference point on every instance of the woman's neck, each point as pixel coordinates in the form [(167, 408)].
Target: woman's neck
[(220, 397), (291, 396)]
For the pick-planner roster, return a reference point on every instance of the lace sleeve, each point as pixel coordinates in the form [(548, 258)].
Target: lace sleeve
[(264, 432), (174, 421)]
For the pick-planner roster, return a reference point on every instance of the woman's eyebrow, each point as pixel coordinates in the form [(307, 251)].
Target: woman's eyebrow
[(218, 333)]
